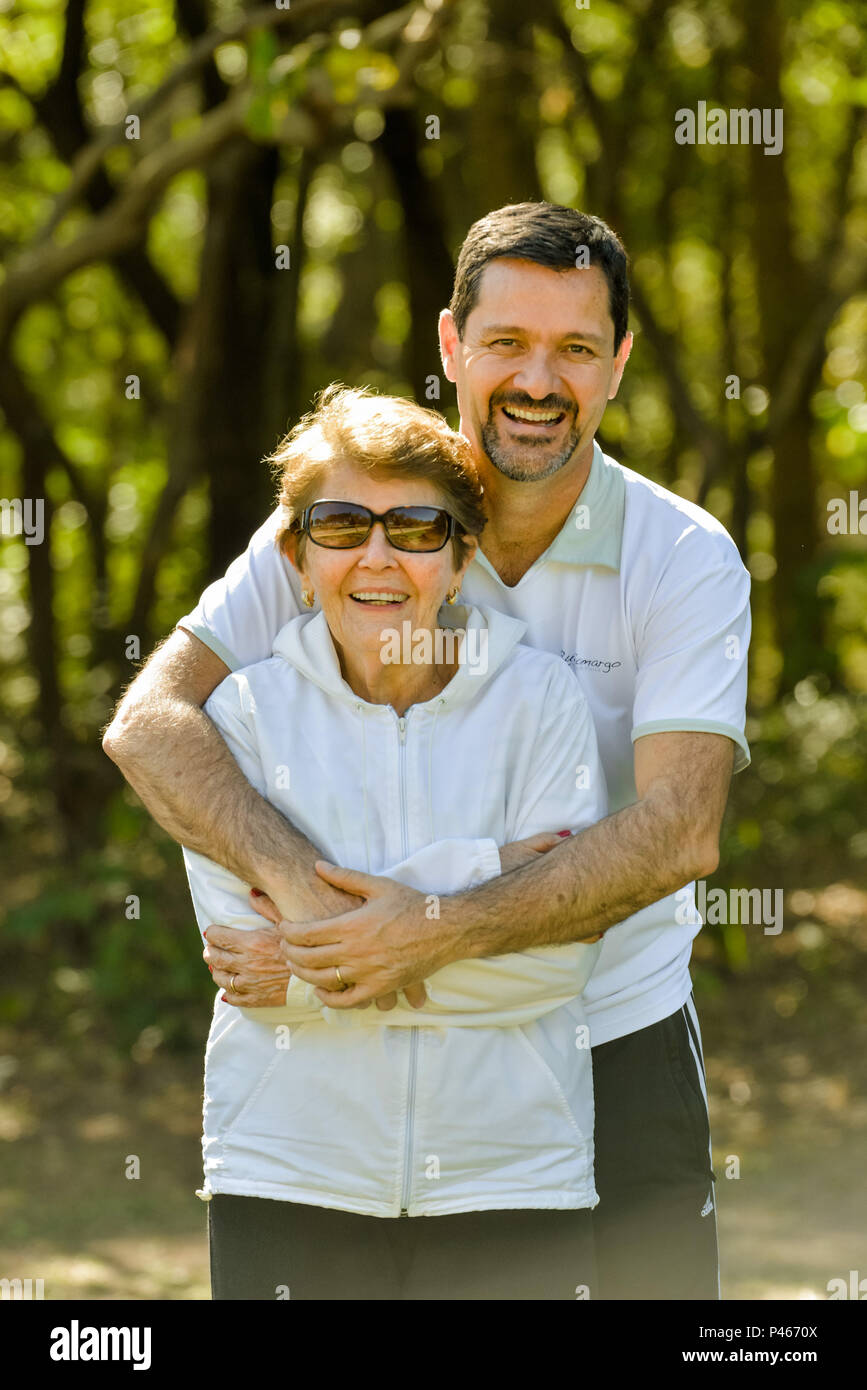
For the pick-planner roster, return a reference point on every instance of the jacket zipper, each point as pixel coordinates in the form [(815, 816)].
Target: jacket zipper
[(413, 1036)]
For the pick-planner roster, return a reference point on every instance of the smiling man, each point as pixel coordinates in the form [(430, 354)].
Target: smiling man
[(503, 364), (646, 599)]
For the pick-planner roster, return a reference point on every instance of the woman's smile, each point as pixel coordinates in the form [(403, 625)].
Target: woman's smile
[(379, 598)]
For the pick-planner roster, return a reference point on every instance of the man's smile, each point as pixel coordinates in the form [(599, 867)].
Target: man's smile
[(516, 431), (532, 416)]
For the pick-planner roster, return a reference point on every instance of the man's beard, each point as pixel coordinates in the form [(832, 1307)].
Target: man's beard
[(515, 461)]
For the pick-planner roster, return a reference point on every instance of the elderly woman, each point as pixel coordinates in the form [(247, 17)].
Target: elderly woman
[(410, 737)]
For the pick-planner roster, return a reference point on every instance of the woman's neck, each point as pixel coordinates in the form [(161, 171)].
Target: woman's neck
[(400, 683)]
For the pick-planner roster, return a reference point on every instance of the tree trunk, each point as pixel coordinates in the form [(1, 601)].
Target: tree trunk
[(498, 155), (429, 270), (228, 418), (783, 292)]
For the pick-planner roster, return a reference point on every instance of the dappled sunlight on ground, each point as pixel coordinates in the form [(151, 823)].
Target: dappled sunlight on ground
[(786, 1050)]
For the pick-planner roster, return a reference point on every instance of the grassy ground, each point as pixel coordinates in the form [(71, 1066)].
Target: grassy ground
[(787, 1066), (786, 1055)]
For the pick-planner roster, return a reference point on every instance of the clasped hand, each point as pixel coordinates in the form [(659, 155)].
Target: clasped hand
[(380, 947), (384, 945)]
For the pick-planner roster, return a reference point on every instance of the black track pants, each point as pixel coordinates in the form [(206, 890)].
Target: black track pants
[(265, 1249), (655, 1225)]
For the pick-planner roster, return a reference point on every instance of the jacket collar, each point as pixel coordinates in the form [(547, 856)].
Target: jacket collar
[(306, 643)]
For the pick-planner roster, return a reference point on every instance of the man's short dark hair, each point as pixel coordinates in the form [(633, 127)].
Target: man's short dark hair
[(550, 235)]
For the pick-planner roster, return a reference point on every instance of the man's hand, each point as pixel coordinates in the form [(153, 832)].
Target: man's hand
[(386, 945)]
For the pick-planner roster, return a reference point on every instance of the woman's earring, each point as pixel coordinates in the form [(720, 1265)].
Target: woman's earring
[(452, 597), (309, 597)]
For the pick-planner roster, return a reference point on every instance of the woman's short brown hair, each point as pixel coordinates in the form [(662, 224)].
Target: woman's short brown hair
[(381, 435)]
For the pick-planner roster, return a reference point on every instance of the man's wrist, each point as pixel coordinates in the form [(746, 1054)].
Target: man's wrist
[(457, 931), (498, 919), (302, 896)]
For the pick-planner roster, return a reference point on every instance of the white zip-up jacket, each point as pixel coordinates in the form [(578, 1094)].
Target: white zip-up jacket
[(483, 1098)]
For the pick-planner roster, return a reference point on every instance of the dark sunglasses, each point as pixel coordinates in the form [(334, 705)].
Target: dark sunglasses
[(343, 525)]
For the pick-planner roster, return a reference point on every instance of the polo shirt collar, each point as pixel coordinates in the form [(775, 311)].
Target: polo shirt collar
[(592, 533)]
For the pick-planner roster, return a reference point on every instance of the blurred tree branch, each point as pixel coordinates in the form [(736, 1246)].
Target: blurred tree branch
[(35, 273), (844, 277), (59, 109), (318, 12)]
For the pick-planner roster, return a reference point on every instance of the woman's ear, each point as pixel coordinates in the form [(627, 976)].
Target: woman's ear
[(471, 545), (289, 546)]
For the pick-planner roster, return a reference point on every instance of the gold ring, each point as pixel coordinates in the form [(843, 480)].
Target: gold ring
[(232, 984), (340, 979)]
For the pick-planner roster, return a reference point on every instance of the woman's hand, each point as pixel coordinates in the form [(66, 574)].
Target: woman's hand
[(522, 852), (252, 961)]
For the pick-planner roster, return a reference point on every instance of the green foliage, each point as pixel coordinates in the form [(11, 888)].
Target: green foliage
[(77, 959), (576, 106), (800, 811)]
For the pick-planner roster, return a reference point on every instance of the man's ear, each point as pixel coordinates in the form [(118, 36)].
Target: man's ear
[(449, 340), (621, 357)]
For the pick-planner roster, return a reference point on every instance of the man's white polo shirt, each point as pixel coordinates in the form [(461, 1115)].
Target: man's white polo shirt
[(645, 597)]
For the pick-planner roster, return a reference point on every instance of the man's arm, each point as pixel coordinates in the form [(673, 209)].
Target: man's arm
[(174, 758), (593, 880), (667, 838)]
